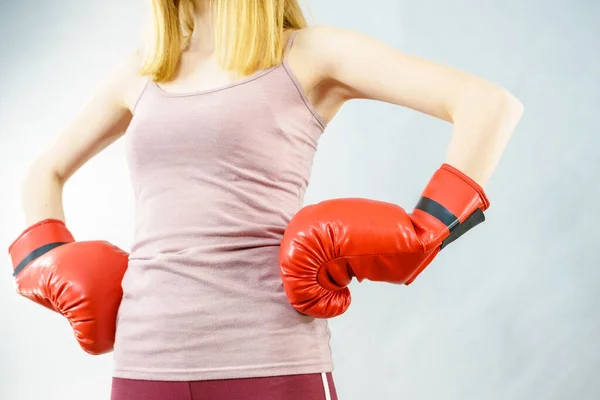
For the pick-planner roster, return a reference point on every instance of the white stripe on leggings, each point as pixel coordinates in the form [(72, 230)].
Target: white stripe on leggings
[(326, 386)]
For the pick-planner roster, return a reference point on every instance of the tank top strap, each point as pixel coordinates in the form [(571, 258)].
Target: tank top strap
[(289, 44)]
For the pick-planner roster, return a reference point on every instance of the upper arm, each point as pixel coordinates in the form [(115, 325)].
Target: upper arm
[(102, 120), (363, 67)]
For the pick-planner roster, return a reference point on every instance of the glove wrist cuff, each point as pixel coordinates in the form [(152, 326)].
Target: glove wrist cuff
[(450, 198), (485, 203), (37, 240)]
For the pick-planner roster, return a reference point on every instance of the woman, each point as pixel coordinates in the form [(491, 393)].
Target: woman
[(221, 122)]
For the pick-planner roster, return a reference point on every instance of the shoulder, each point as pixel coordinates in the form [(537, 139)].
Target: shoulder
[(320, 37), (124, 82), (323, 45), (316, 57), (133, 82)]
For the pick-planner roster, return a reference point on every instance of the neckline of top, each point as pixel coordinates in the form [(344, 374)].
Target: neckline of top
[(242, 81)]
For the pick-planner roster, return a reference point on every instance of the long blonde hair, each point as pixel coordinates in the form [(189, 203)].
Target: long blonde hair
[(248, 34)]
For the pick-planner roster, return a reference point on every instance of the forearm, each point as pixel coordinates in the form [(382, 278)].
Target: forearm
[(483, 123), (42, 195)]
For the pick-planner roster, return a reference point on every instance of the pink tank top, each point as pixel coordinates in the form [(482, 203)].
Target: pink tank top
[(217, 176)]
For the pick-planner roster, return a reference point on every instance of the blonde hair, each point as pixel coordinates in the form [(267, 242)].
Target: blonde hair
[(248, 34)]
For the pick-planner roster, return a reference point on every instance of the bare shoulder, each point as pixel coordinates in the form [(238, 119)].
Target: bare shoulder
[(312, 43), (123, 83), (128, 79), (315, 56), (323, 44)]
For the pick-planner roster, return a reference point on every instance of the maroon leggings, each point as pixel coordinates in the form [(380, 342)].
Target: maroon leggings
[(293, 387)]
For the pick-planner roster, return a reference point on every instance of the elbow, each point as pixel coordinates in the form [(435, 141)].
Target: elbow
[(38, 174), (489, 101), (510, 104), (501, 102)]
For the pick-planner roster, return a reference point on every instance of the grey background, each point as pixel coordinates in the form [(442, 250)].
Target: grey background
[(509, 312)]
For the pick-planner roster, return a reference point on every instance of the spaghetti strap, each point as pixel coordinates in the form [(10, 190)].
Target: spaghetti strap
[(288, 46)]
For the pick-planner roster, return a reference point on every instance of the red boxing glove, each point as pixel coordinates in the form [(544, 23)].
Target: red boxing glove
[(79, 280), (327, 244)]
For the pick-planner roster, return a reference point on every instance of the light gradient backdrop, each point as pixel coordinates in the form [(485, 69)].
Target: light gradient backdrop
[(508, 312)]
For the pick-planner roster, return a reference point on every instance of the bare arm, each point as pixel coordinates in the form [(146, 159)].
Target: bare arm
[(484, 115), (101, 122)]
